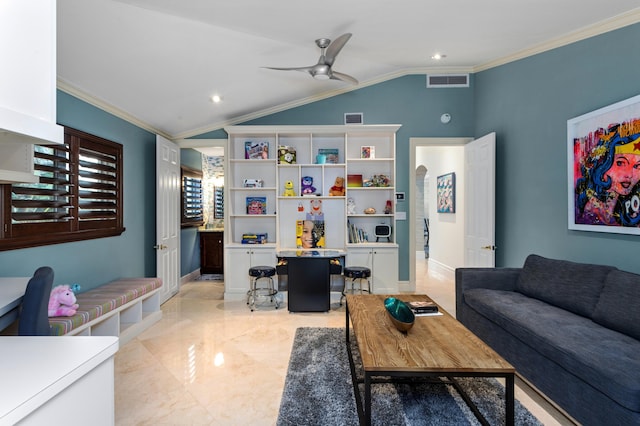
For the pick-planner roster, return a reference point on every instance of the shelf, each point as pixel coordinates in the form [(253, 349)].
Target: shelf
[(254, 189), (371, 215), (372, 244), (319, 197), (256, 246), (368, 160), (328, 165), (248, 161), (253, 216), (368, 188)]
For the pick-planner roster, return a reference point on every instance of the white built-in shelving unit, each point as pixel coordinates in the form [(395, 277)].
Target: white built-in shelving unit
[(282, 212)]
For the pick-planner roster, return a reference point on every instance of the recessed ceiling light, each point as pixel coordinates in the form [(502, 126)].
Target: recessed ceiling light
[(438, 56), (216, 99)]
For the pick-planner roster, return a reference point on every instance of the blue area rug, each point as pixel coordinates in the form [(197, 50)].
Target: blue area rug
[(318, 391)]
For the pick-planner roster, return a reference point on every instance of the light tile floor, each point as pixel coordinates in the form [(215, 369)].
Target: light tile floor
[(210, 361)]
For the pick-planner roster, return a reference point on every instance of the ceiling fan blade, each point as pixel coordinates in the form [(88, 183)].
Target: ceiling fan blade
[(335, 47), (343, 77), (304, 69)]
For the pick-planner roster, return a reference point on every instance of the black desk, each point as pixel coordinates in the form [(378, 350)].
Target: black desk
[(309, 279)]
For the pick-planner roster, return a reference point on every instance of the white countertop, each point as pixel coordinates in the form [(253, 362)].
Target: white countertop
[(35, 369)]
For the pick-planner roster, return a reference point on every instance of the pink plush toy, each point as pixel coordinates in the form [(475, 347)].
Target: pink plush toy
[(62, 302)]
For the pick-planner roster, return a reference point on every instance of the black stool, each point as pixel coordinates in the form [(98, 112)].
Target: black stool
[(257, 273), (355, 273)]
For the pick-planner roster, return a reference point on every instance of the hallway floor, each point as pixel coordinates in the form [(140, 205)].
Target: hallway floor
[(210, 361)]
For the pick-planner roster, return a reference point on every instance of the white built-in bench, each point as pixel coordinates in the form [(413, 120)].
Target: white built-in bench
[(122, 308)]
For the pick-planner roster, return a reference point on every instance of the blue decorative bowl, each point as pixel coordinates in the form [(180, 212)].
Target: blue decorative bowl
[(401, 315)]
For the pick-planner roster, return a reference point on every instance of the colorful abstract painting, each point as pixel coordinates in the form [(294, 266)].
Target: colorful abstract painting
[(446, 193), (604, 169)]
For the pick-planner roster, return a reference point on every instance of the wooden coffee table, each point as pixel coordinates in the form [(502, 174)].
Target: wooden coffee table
[(436, 346)]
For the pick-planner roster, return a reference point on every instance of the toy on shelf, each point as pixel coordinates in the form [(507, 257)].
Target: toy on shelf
[(288, 189), (307, 186), (388, 208), (380, 180), (315, 209), (337, 189), (351, 206), (62, 302), (286, 155)]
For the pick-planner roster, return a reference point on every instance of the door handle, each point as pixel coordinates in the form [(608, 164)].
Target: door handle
[(159, 247), (489, 248)]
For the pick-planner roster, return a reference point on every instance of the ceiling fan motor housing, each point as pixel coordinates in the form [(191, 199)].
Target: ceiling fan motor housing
[(323, 43)]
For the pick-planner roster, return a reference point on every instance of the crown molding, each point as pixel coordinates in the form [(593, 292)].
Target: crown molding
[(611, 24), (107, 107)]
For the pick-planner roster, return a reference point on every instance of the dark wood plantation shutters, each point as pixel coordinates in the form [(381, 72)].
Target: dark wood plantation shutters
[(45, 206), (99, 187), (78, 195), (192, 197)]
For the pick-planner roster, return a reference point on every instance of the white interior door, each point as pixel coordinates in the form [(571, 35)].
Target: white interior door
[(168, 216), (480, 158)]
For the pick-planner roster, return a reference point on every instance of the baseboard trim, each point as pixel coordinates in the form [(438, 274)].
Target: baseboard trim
[(441, 268), (191, 276)]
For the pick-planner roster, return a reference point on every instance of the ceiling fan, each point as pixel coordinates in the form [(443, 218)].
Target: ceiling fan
[(328, 52)]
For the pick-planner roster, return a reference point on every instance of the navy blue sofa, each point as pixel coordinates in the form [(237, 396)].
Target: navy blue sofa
[(570, 329)]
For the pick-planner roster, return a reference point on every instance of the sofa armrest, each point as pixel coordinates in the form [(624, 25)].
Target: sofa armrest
[(491, 278)]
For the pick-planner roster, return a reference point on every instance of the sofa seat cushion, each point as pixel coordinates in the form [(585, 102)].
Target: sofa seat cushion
[(102, 300), (572, 286), (604, 358), (619, 305)]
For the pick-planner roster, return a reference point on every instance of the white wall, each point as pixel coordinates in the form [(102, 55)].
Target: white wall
[(446, 242)]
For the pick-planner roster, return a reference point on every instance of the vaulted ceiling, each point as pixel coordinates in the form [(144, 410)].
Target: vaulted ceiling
[(157, 63)]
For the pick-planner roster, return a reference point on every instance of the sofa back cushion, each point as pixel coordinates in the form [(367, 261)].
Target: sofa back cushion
[(572, 286), (618, 307)]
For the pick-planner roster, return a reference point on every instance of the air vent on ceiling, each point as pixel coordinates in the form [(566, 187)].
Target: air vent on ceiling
[(448, 80)]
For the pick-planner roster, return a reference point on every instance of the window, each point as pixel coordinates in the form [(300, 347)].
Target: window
[(78, 196), (192, 206)]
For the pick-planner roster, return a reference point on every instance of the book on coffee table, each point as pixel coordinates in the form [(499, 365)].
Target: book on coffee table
[(422, 307)]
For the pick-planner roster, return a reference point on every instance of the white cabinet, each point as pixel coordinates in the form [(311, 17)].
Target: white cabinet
[(27, 85), (256, 201), (238, 260), (383, 262), (57, 379)]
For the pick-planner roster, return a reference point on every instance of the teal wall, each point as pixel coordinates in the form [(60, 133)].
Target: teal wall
[(189, 237), (527, 103), (95, 262)]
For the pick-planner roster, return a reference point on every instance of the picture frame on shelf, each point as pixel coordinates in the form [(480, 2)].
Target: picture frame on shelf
[(310, 233), (256, 205), (367, 151), (256, 150), (446, 193), (332, 155)]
